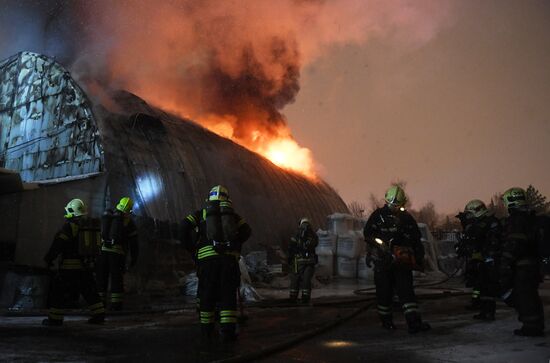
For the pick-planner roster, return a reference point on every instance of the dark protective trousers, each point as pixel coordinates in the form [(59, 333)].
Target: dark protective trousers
[(74, 282), (300, 278), (110, 268), (219, 279), (472, 277), (398, 279), (488, 288), (526, 297)]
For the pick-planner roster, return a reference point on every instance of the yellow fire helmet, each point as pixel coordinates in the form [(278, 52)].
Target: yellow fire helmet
[(75, 208), (476, 208), (218, 192), (395, 197), (304, 221), (514, 198), (125, 205)]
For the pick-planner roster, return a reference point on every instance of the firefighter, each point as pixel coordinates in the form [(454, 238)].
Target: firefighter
[(302, 260), (395, 248), (75, 274), (214, 235), (483, 231), (468, 248), (119, 238), (519, 263)]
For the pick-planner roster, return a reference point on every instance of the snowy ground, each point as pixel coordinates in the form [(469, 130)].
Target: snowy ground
[(173, 336)]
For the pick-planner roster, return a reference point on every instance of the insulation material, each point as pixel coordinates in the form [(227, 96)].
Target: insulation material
[(325, 265), (350, 245), (346, 267), (340, 223), (327, 243)]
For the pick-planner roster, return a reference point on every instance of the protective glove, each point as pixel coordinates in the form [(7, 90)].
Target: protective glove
[(49, 264), (369, 260), (507, 297)]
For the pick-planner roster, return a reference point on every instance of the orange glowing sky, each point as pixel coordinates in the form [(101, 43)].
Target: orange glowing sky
[(463, 116)]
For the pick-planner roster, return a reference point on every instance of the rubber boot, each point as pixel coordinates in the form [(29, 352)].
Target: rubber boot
[(293, 296), (387, 322), (207, 333), (306, 296), (415, 323), (228, 333), (487, 311), (474, 305)]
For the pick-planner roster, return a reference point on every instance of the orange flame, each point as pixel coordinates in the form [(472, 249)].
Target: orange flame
[(286, 153), (282, 150)]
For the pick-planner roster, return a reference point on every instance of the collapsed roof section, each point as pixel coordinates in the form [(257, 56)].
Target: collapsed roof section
[(47, 128)]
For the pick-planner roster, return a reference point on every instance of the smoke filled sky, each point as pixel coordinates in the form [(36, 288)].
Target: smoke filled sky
[(462, 116), (452, 97)]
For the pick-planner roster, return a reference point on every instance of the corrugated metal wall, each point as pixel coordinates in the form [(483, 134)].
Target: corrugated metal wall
[(46, 125)]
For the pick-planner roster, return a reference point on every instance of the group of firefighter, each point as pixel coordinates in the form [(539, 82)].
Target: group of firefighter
[(504, 260), (90, 259)]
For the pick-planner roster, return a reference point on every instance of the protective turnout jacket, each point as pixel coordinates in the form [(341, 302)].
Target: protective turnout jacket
[(483, 235), (396, 228), (128, 240), (194, 237), (520, 245), (302, 248), (65, 243)]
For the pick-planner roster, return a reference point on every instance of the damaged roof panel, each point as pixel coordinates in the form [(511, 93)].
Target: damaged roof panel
[(47, 127)]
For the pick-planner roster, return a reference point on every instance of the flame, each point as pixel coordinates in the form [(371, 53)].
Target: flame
[(286, 153), (277, 146)]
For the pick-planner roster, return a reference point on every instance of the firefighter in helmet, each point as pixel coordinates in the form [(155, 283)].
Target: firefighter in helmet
[(482, 235), (75, 275), (302, 260), (119, 238), (519, 263), (469, 249), (214, 235), (395, 248)]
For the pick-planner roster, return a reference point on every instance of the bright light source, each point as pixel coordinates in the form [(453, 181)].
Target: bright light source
[(148, 185), (379, 241), (402, 209), (338, 344)]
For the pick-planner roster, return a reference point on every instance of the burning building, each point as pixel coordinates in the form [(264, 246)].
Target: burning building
[(56, 144)]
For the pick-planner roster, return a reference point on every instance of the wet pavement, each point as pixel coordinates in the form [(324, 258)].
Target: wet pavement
[(173, 336)]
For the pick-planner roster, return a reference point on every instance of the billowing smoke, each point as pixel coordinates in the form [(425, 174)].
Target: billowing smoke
[(230, 65)]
